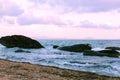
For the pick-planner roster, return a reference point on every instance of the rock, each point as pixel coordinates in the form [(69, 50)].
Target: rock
[(76, 48), (19, 41), (55, 46), (22, 51), (108, 53), (113, 48)]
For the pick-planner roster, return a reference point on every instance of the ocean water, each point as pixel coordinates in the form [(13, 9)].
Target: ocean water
[(69, 60)]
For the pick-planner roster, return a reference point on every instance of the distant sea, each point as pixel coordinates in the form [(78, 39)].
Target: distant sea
[(69, 60)]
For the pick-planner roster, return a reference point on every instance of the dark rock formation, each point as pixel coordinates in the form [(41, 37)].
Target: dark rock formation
[(113, 48), (55, 46), (108, 53), (19, 41), (76, 48), (22, 51)]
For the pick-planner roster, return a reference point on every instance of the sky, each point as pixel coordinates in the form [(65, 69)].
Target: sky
[(61, 19)]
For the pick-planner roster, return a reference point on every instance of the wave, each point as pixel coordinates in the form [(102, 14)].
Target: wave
[(63, 59)]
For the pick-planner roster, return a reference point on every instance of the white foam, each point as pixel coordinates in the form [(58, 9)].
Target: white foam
[(58, 58), (97, 49)]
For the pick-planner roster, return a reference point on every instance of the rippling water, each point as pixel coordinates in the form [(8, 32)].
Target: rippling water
[(70, 60)]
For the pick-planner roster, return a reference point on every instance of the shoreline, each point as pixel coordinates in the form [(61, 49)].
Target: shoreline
[(11, 70)]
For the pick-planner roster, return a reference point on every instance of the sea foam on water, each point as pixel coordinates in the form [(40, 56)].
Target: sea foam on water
[(70, 60)]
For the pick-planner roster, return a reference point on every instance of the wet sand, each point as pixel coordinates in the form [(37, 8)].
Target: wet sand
[(10, 70)]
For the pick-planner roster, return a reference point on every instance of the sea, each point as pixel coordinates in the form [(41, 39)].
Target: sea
[(69, 60)]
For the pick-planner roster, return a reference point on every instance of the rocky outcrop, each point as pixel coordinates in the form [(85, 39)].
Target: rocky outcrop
[(108, 53), (55, 46), (113, 48), (19, 41), (22, 51), (76, 48)]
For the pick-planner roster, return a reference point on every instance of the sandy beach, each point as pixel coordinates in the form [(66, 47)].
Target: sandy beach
[(10, 70)]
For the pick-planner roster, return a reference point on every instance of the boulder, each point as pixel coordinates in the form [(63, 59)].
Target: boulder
[(76, 48), (108, 53), (113, 48), (22, 51), (19, 41), (55, 46)]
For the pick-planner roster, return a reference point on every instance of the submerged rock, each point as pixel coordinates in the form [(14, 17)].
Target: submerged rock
[(76, 48), (19, 41), (108, 53), (113, 48), (22, 51)]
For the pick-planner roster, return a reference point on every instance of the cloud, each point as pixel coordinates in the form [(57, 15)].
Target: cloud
[(9, 20), (71, 19), (28, 12), (46, 20), (100, 5), (82, 5), (87, 24), (8, 8), (38, 1)]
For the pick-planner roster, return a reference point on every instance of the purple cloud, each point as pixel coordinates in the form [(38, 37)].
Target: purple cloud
[(87, 24), (9, 9), (82, 5), (10, 21), (24, 20), (38, 1), (27, 20)]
